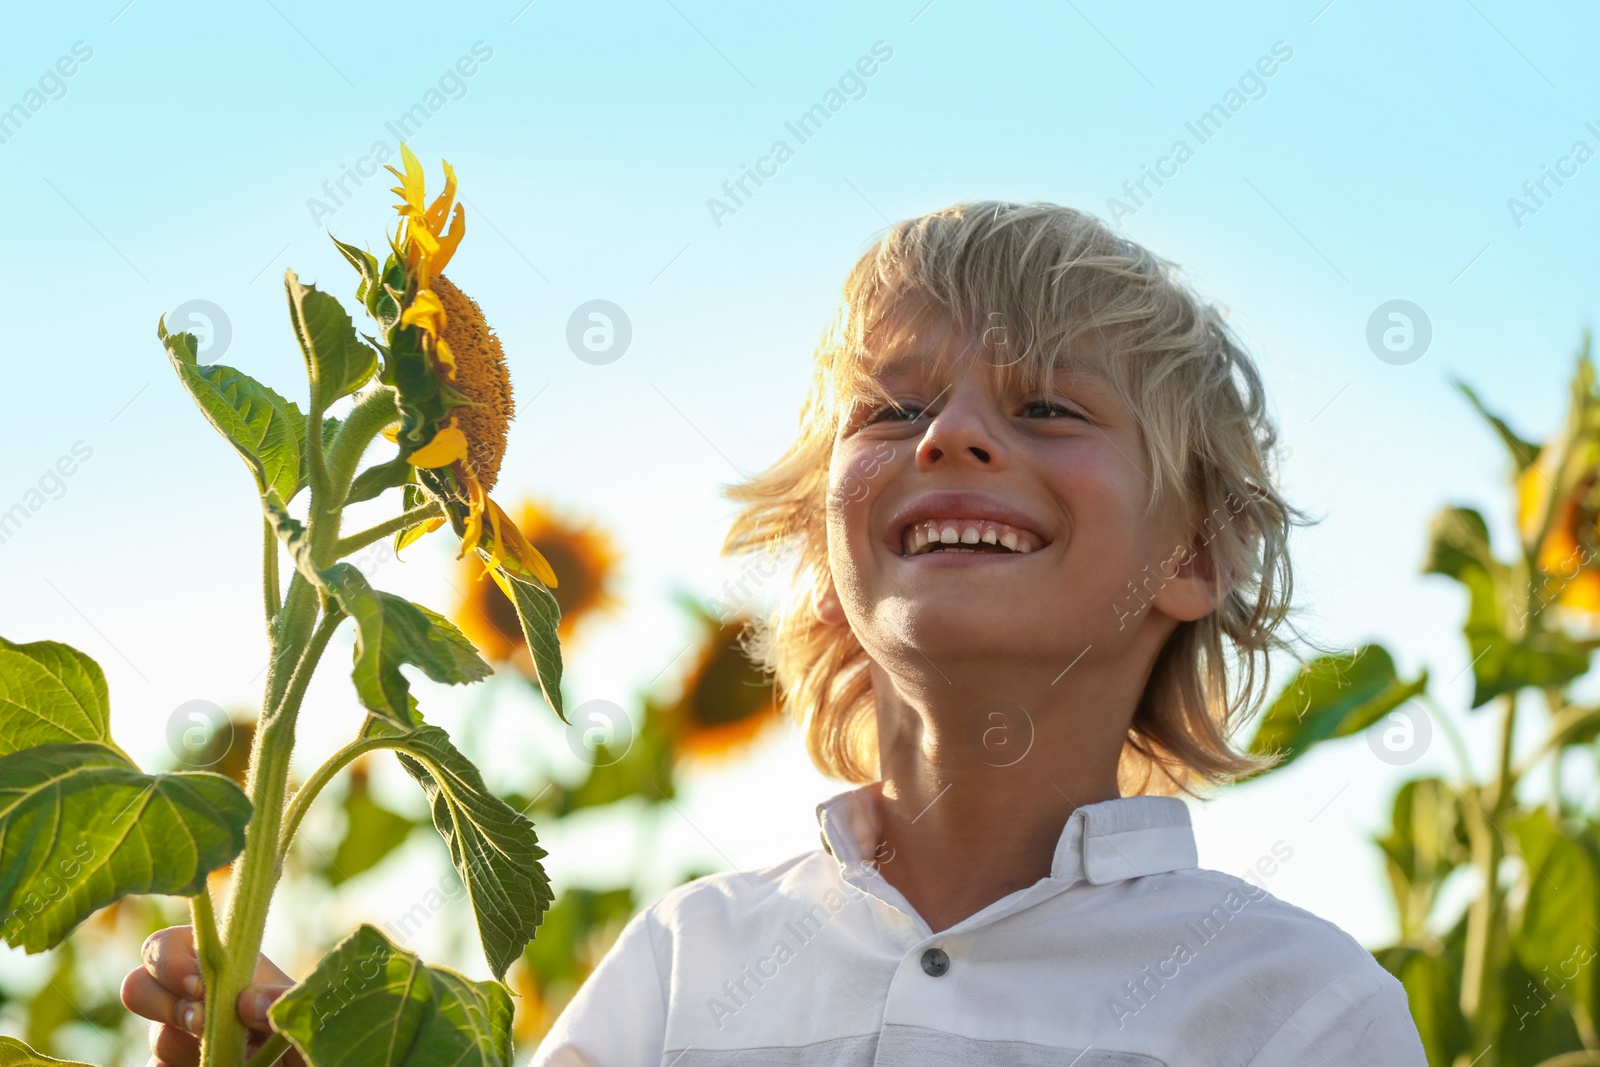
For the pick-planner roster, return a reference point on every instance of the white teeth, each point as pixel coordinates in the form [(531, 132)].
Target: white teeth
[(918, 536)]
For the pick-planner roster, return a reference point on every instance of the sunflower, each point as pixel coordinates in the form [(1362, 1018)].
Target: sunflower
[(1570, 551), (726, 701), (449, 371), (583, 559)]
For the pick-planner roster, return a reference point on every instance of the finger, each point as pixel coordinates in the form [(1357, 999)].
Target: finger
[(143, 995), (254, 1002), (173, 1046), (169, 957), (268, 974)]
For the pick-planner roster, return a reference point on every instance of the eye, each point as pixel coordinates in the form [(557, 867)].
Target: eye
[(893, 414), (1051, 405)]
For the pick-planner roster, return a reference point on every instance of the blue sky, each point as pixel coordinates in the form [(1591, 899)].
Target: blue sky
[(180, 161)]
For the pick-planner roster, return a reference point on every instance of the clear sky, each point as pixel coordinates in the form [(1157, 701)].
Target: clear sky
[(194, 153)]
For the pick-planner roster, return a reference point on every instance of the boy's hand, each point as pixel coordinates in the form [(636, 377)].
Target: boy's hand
[(167, 991)]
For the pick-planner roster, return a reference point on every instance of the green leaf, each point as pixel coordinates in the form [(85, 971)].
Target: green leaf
[(392, 631), (81, 827), (51, 693), (1458, 538), (14, 1053), (1499, 664), (1333, 696), (378, 478), (337, 361), (1523, 453), (1426, 842), (366, 265), (539, 614), (262, 426), (492, 846), (371, 1004), (1557, 932)]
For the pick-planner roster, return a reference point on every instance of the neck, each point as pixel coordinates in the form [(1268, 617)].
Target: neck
[(978, 780)]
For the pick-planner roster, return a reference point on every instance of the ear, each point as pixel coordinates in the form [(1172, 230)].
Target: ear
[(826, 605), (1190, 589)]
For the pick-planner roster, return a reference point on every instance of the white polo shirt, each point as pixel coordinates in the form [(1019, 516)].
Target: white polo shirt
[(1127, 954)]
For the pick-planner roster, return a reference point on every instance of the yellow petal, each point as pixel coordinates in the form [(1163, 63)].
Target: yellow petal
[(392, 432), (425, 311), (447, 446), (422, 529), (514, 552), (439, 210), (445, 358), (448, 243), (411, 181), (476, 498)]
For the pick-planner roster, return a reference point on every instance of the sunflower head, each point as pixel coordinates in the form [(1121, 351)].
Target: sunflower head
[(726, 703), (449, 374)]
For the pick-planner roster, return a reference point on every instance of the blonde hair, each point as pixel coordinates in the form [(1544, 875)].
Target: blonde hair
[(1027, 281)]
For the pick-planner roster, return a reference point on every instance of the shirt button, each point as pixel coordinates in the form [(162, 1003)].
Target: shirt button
[(935, 962)]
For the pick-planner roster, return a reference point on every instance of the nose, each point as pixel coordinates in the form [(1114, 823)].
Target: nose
[(961, 431)]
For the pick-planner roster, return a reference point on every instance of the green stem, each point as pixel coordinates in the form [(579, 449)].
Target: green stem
[(357, 541), (320, 778), (1480, 973), (270, 1052), (207, 944), (372, 412), (269, 573), (223, 1040)]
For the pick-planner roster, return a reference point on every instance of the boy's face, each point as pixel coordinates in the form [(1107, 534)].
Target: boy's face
[(1068, 467)]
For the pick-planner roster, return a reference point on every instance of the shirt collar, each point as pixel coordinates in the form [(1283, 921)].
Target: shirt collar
[(1103, 842)]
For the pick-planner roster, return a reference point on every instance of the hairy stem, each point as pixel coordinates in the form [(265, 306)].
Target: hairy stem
[(372, 412), (269, 573), (207, 944), (223, 1040), (320, 778), (357, 541)]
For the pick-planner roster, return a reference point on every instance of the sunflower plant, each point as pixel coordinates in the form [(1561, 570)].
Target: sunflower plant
[(1512, 977), (81, 826)]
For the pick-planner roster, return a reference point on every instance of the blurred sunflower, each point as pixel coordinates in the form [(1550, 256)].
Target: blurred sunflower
[(727, 702), (1562, 484), (454, 392), (584, 560)]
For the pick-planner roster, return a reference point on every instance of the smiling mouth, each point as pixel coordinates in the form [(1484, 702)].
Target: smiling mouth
[(974, 536)]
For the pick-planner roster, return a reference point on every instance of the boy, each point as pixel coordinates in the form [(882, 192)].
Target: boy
[(1030, 511)]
